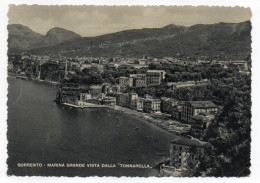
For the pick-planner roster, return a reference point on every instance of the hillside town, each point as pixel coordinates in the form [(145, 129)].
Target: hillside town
[(158, 90)]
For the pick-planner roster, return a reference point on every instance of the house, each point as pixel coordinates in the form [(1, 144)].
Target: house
[(184, 152), (85, 96), (193, 108), (200, 123)]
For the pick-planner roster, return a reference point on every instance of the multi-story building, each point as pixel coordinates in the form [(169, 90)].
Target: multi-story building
[(153, 79), (152, 105), (140, 80), (125, 82), (184, 151), (132, 99), (111, 101), (123, 99), (193, 108), (200, 123), (161, 72), (176, 112), (167, 104)]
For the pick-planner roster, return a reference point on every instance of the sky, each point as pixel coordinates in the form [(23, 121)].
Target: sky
[(97, 20)]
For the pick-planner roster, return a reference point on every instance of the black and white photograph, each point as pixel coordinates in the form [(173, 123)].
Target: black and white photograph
[(135, 91)]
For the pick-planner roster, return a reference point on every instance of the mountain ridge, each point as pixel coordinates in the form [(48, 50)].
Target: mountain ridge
[(231, 39), (22, 38)]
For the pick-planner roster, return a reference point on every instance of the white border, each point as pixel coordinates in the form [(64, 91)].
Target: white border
[(255, 8)]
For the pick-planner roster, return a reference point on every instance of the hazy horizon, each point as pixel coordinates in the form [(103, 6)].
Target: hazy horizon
[(89, 21)]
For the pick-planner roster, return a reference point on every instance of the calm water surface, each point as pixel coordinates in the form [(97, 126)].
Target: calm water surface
[(40, 131)]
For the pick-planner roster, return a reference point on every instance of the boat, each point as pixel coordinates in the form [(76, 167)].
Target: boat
[(93, 110), (117, 117)]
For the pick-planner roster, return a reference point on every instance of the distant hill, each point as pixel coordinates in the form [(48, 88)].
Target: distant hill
[(58, 35), (23, 38), (229, 40)]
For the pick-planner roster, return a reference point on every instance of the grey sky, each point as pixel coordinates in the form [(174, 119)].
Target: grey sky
[(98, 20)]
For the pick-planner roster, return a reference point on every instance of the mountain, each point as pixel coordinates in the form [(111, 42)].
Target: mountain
[(58, 35), (23, 38), (220, 40)]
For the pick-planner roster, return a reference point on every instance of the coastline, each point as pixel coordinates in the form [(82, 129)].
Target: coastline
[(13, 75), (142, 117), (145, 117)]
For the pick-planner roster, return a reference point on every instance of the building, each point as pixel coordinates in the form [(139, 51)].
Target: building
[(95, 90), (85, 66), (84, 96), (161, 72), (122, 99), (200, 123), (152, 105), (138, 104), (140, 80), (125, 82), (153, 79), (132, 99), (111, 101), (167, 104), (176, 112), (184, 152), (193, 108)]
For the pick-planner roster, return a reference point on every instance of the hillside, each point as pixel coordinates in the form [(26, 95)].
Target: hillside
[(220, 41), (22, 38)]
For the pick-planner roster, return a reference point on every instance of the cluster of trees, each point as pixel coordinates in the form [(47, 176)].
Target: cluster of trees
[(229, 134)]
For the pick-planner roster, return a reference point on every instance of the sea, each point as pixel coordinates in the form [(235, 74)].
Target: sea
[(44, 133)]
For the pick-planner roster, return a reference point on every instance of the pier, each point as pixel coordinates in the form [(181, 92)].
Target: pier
[(88, 105)]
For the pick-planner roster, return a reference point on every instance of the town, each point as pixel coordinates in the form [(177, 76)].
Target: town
[(181, 97)]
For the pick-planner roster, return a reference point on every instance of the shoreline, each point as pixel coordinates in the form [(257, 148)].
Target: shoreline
[(141, 116), (12, 75), (145, 117)]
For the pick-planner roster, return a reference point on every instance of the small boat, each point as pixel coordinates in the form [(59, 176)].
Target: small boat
[(117, 125), (117, 117), (136, 128), (93, 110)]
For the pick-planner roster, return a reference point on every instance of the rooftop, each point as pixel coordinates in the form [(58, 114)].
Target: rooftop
[(155, 71)]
